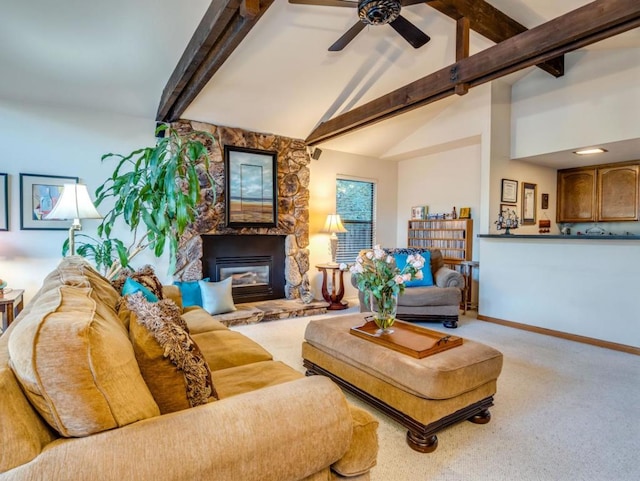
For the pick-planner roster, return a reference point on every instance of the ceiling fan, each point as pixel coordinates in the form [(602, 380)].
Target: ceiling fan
[(375, 12)]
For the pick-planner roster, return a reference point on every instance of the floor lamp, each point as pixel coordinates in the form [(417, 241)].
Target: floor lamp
[(332, 226), (74, 203)]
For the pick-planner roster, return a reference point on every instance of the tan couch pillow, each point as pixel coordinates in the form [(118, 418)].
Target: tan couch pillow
[(171, 363), (77, 366)]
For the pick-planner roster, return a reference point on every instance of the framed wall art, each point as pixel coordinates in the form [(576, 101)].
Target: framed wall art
[(465, 212), (528, 204), (251, 187), (4, 202), (38, 195), (419, 212), (509, 191)]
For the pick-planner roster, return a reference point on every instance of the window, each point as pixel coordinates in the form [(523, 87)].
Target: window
[(355, 202)]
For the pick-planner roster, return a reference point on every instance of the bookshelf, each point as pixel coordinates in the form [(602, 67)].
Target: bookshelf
[(454, 237)]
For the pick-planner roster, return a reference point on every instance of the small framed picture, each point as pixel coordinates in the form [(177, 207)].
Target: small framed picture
[(528, 203), (465, 212), (509, 192), (544, 204), (508, 210), (38, 196), (4, 202), (419, 212)]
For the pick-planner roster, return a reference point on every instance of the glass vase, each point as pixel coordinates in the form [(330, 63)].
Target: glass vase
[(384, 308)]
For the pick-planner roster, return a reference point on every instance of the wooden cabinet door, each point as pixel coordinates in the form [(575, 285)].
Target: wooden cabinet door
[(618, 193), (576, 196)]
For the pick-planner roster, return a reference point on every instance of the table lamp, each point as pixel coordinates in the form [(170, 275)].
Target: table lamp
[(74, 203), (333, 225)]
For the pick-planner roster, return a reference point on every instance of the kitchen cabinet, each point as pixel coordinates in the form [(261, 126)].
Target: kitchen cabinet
[(602, 193), (618, 193), (576, 196)]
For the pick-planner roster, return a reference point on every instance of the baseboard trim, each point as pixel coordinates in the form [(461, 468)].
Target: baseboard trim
[(563, 335)]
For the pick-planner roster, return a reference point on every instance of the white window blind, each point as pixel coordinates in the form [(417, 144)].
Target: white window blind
[(355, 202)]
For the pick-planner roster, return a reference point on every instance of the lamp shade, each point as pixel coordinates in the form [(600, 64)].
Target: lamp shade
[(333, 224), (74, 203)]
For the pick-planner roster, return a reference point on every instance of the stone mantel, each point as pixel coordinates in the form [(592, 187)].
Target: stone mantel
[(293, 202)]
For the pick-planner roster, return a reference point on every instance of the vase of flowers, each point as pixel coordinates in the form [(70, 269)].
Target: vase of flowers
[(382, 281)]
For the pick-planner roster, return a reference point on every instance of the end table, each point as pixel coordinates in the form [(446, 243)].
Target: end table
[(335, 298), (10, 305)]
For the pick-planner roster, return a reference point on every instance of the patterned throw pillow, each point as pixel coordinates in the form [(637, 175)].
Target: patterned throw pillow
[(170, 361), (145, 276), (131, 287)]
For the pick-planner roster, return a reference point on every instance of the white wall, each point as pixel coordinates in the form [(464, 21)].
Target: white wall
[(596, 101), (441, 181), (54, 141), (322, 201), (584, 287)]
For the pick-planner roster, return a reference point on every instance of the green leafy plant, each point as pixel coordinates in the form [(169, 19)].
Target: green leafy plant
[(155, 192)]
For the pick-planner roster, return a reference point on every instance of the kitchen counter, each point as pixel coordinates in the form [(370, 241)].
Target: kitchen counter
[(563, 237)]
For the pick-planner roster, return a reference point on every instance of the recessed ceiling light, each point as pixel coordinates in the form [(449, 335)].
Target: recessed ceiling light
[(597, 150)]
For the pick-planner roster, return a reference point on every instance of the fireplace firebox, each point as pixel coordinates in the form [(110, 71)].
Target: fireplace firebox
[(256, 264)]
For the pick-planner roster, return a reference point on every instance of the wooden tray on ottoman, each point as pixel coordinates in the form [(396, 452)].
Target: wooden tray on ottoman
[(407, 338)]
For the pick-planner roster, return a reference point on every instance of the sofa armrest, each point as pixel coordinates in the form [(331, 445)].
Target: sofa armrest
[(445, 277), (284, 432)]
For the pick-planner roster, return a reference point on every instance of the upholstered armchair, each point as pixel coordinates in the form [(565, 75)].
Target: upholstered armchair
[(438, 302)]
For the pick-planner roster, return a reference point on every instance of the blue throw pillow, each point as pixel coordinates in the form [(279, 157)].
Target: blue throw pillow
[(190, 292), (131, 287), (427, 277)]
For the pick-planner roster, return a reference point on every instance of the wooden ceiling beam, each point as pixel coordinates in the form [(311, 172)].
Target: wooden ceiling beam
[(491, 23), (586, 25), (462, 48), (224, 25)]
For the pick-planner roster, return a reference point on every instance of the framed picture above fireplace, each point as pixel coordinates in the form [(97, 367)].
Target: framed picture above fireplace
[(251, 187)]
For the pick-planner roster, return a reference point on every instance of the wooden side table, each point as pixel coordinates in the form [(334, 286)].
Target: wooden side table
[(10, 306), (467, 272), (334, 298)]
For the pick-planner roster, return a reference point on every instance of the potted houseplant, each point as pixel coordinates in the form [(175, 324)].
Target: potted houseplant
[(155, 192)]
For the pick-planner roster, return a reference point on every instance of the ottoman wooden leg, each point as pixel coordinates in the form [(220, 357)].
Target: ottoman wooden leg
[(483, 417), (420, 443)]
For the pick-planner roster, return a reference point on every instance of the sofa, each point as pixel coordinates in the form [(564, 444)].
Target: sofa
[(79, 399), (438, 302)]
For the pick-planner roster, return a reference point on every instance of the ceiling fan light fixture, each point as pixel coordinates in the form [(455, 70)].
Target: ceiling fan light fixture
[(378, 12)]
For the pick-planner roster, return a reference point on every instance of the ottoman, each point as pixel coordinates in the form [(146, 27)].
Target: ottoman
[(424, 395)]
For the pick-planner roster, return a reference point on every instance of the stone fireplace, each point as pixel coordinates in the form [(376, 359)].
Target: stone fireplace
[(292, 219)]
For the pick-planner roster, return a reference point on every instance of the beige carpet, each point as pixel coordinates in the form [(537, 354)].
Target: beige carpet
[(563, 411)]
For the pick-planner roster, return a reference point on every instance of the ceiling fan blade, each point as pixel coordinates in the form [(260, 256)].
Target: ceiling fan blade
[(347, 37), (412, 34), (326, 3)]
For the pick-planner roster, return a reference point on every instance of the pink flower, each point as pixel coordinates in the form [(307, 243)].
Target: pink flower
[(356, 269), (399, 279)]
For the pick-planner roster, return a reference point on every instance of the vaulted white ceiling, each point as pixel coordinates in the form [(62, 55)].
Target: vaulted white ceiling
[(117, 56)]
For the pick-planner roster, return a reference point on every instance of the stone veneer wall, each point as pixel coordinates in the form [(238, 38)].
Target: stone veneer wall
[(293, 202)]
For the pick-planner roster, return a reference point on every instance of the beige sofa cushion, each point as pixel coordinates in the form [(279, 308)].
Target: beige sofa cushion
[(77, 366), (225, 348), (198, 320), (170, 361)]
